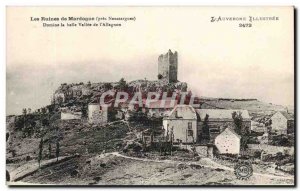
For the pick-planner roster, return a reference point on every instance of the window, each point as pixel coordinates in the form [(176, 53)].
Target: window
[(189, 125), (190, 133), (176, 115)]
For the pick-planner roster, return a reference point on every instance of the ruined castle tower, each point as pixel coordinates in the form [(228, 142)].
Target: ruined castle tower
[(168, 67)]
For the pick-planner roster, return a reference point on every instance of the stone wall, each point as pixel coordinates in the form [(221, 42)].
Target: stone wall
[(97, 115), (70, 115)]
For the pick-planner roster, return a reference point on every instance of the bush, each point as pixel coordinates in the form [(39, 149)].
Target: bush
[(159, 76), (257, 154), (138, 117), (282, 140)]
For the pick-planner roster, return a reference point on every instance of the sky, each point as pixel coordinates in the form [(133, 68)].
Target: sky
[(216, 59)]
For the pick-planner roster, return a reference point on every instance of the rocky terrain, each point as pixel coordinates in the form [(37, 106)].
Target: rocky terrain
[(115, 169)]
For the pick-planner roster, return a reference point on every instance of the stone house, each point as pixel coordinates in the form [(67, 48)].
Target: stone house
[(188, 123), (282, 123), (228, 142), (181, 123), (218, 120)]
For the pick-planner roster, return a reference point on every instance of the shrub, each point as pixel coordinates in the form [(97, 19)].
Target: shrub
[(159, 76), (257, 154)]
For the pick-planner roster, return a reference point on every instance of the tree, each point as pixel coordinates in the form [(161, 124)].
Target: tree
[(60, 100), (57, 149), (7, 136), (40, 152), (24, 112), (89, 84), (240, 129), (111, 116), (122, 85), (107, 86), (45, 122), (84, 111), (159, 76), (205, 129), (171, 139), (44, 110), (238, 122), (49, 149)]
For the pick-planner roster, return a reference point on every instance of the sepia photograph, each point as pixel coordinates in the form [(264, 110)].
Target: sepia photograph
[(150, 96)]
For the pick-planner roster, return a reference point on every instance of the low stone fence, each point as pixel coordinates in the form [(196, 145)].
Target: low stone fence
[(269, 149)]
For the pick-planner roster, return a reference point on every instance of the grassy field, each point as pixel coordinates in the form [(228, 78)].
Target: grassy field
[(77, 137)]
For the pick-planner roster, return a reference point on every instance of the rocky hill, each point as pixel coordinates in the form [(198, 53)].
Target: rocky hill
[(78, 94)]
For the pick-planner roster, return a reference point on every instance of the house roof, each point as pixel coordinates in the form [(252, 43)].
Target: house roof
[(221, 114), (161, 104), (182, 112), (288, 116), (229, 129), (233, 132)]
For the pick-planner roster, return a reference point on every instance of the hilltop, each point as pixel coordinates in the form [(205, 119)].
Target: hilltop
[(81, 94), (252, 105)]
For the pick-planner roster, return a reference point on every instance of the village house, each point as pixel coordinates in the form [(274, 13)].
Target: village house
[(282, 123), (187, 123), (181, 123), (228, 142), (218, 120)]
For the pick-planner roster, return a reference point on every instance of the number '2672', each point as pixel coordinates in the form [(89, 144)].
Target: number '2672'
[(245, 25)]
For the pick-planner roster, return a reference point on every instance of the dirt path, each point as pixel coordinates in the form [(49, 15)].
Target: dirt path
[(205, 162), (33, 166)]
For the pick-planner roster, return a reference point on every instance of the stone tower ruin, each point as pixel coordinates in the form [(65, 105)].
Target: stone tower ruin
[(168, 66)]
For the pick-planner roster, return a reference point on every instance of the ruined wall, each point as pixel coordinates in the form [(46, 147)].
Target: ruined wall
[(168, 66), (97, 116), (173, 67), (70, 115), (59, 97)]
